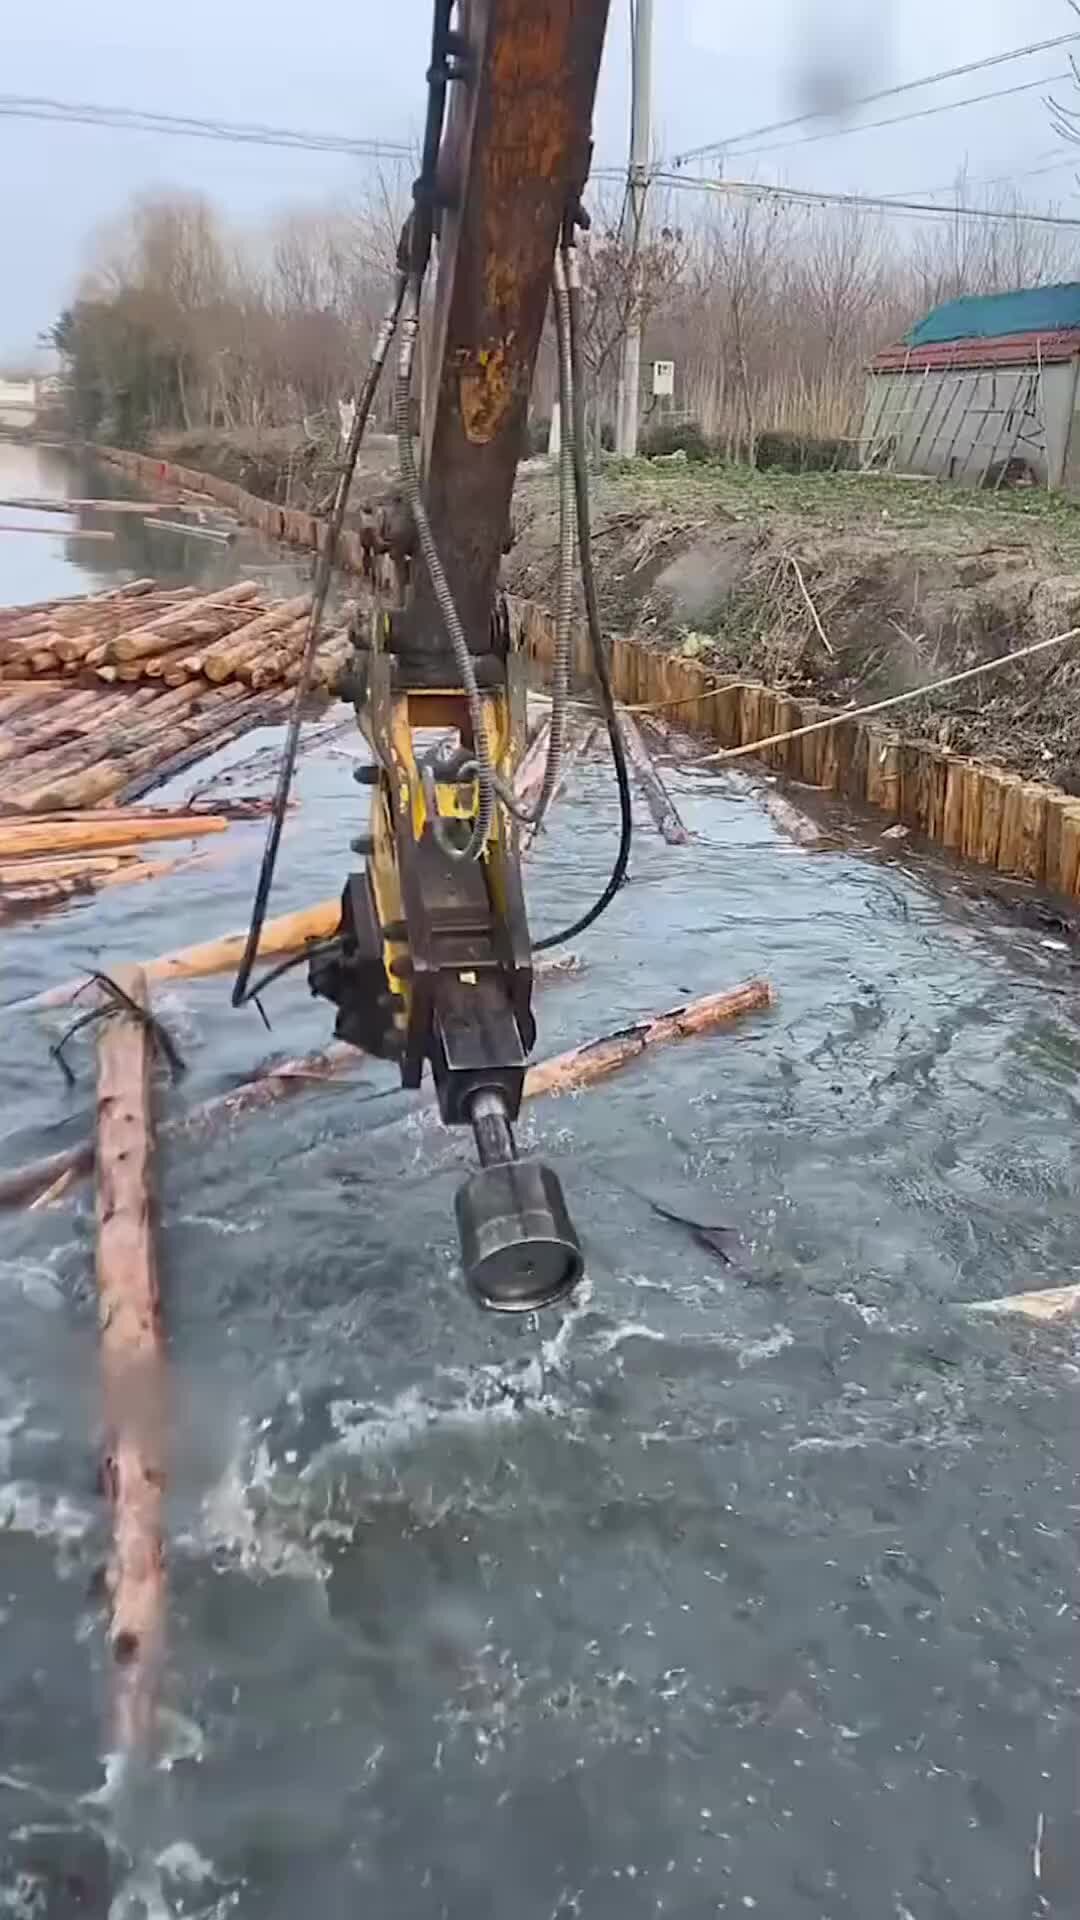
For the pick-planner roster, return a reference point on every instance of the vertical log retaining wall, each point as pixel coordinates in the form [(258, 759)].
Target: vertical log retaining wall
[(981, 812)]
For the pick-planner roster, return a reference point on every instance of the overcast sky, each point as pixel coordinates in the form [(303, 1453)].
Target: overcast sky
[(357, 66)]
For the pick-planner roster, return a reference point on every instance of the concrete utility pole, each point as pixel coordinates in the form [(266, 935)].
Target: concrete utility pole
[(629, 405)]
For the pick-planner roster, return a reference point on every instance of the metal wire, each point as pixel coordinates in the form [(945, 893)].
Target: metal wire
[(242, 991)]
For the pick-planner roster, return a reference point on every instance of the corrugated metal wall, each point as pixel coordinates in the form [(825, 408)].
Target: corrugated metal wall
[(969, 425)]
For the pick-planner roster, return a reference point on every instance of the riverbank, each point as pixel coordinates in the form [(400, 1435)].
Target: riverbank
[(841, 586)]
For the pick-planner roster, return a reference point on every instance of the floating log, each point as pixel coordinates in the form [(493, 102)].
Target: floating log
[(286, 934), (665, 813), (583, 1066), (565, 1073), (37, 897), (15, 873), (60, 834), (60, 533), (133, 1367), (1052, 1303), (798, 826)]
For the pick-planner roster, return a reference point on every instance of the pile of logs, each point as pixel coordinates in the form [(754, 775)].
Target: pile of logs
[(104, 697), (171, 635)]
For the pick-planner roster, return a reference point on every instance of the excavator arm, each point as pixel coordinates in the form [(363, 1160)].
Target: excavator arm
[(433, 966)]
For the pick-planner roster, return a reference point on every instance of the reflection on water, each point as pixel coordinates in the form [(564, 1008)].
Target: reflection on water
[(736, 1587), (39, 566)]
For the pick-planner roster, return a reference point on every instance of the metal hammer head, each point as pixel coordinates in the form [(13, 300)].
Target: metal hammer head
[(518, 1245)]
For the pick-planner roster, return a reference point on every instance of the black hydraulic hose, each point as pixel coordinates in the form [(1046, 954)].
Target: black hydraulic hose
[(243, 991), (592, 614)]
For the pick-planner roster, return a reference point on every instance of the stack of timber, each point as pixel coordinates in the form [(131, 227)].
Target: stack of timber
[(104, 697)]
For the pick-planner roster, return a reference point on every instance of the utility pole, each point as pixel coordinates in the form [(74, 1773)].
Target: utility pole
[(626, 436)]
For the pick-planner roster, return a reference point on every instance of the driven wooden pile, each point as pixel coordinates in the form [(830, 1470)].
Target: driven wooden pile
[(104, 697)]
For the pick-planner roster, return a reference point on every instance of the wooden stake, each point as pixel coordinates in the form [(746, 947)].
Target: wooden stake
[(133, 1368), (952, 816)]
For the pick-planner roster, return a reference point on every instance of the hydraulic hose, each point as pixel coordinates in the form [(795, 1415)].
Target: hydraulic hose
[(592, 615), (242, 991)]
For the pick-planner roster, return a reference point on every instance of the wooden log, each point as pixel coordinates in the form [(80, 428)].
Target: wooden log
[(271, 667), (15, 873), (133, 1368), (38, 896), (67, 835), (788, 753), (220, 662), (1070, 852), (128, 722), (38, 731), (331, 656), (578, 744), (564, 1073), (972, 813), (72, 646), (1049, 1304), (952, 812), (750, 715), (883, 771), (830, 770), (104, 779), (650, 784), (289, 933), (811, 746), (1056, 802), (1033, 816), (725, 714), (584, 1066), (999, 835), (797, 825), (255, 713), (205, 619)]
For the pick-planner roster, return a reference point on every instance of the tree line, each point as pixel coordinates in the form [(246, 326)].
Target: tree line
[(770, 311)]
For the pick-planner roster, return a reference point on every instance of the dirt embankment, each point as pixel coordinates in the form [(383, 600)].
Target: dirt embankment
[(281, 465), (850, 587), (846, 586)]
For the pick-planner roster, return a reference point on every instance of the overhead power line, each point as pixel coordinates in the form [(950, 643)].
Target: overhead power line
[(16, 106), (797, 196), (871, 99), (961, 181), (895, 119)]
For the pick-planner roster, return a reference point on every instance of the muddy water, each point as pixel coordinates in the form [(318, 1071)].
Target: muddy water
[(738, 1587)]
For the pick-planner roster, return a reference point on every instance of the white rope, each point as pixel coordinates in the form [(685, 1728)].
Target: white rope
[(882, 706)]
